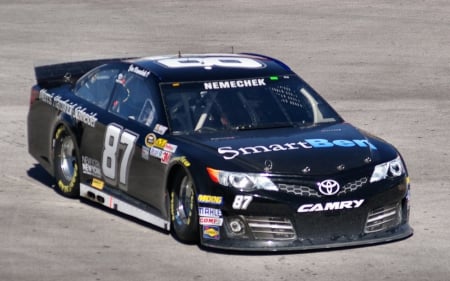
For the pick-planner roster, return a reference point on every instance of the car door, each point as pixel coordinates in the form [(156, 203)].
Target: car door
[(126, 162), (116, 149)]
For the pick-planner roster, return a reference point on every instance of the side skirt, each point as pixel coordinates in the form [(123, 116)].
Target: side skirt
[(124, 205)]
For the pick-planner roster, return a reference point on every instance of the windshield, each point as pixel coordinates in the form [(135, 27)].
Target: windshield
[(244, 104)]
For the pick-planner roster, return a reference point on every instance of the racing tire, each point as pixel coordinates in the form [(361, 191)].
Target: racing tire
[(66, 163), (183, 209)]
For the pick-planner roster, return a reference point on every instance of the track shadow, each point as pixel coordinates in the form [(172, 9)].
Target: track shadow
[(38, 173)]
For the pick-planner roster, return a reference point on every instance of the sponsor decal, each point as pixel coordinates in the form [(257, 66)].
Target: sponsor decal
[(139, 71), (145, 153), (160, 143), (97, 183), (160, 129), (229, 152), (211, 232), (330, 206), (150, 139), (232, 84), (209, 212), (170, 147), (328, 187), (46, 97), (165, 157), (210, 199), (156, 152), (210, 221), (91, 166), (183, 160), (73, 109)]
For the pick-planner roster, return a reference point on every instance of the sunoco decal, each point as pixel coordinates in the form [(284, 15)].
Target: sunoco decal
[(229, 152), (76, 111), (211, 232)]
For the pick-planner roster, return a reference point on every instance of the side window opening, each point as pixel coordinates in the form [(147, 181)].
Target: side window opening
[(147, 114), (131, 98), (96, 87)]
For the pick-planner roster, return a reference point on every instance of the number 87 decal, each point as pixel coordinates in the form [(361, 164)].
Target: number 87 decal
[(117, 140)]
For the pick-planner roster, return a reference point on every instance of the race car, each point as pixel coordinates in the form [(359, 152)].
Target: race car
[(230, 151)]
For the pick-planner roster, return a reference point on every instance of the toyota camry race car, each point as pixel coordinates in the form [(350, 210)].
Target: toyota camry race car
[(234, 151)]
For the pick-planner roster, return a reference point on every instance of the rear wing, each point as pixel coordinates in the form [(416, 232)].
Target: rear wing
[(48, 76)]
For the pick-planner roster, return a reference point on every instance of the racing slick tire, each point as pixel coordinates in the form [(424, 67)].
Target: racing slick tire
[(66, 163), (183, 209)]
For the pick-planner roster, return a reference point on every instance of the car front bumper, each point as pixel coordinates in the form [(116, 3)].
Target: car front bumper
[(277, 225)]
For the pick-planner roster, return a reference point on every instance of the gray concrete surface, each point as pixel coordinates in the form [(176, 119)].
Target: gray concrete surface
[(384, 65)]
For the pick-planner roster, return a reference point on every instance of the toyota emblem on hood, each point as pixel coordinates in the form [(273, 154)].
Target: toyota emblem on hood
[(328, 187)]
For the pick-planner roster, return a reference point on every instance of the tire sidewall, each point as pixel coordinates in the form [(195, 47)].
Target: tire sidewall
[(69, 188), (186, 233)]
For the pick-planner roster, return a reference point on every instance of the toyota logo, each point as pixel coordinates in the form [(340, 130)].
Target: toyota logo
[(328, 187)]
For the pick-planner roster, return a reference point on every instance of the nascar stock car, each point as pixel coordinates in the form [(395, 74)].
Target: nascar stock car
[(231, 151)]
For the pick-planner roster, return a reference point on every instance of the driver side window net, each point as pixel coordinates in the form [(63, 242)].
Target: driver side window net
[(131, 98)]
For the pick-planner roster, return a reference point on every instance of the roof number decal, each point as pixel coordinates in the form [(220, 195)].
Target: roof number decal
[(211, 61)]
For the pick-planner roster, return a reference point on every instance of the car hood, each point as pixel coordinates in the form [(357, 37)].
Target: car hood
[(314, 151)]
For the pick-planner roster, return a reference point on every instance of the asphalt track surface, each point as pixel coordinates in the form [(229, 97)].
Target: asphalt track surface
[(384, 65)]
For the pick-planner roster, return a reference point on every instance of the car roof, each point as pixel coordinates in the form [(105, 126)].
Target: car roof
[(200, 67)]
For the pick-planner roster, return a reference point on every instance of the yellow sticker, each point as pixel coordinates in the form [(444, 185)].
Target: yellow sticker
[(97, 183), (185, 161), (203, 198), (211, 232), (160, 143)]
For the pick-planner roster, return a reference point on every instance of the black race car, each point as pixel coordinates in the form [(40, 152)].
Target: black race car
[(234, 151)]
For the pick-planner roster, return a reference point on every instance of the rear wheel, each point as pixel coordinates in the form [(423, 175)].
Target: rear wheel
[(65, 159), (183, 209)]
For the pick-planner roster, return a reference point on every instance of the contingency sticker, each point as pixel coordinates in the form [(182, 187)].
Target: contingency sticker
[(211, 232), (160, 129), (210, 221), (150, 139), (209, 212), (91, 166), (203, 198), (97, 183)]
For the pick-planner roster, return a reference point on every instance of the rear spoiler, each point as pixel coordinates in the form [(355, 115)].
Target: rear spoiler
[(48, 76)]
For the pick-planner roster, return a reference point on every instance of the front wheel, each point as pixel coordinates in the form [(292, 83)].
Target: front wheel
[(65, 159), (183, 209)]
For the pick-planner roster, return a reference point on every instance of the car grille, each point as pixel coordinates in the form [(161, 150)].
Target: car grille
[(299, 190), (271, 228), (311, 190), (383, 218)]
